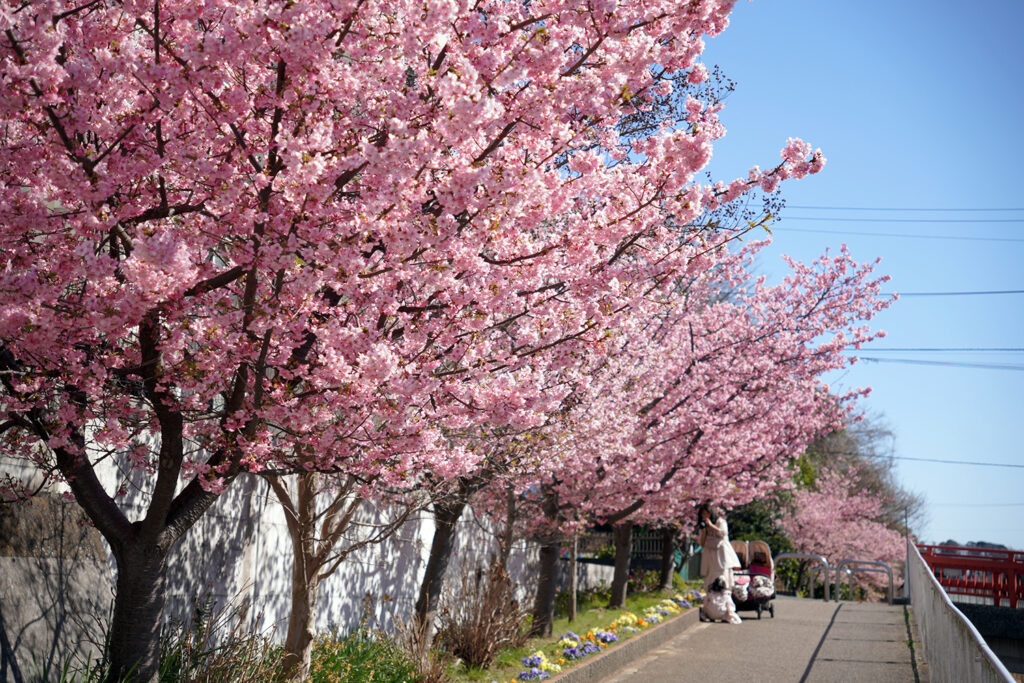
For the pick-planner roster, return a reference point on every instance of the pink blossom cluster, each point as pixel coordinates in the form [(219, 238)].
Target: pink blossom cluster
[(353, 236), (321, 235), (837, 520), (709, 397)]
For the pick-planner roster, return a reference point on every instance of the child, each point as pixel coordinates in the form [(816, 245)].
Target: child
[(760, 566), (719, 605)]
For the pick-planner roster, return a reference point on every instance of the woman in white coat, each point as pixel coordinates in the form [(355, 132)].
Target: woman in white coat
[(717, 558)]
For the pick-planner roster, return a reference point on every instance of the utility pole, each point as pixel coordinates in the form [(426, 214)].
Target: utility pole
[(906, 563)]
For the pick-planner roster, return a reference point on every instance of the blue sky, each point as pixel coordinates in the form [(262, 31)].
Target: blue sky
[(915, 105)]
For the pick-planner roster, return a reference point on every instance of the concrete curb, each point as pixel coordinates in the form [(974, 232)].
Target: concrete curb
[(920, 666), (608, 662)]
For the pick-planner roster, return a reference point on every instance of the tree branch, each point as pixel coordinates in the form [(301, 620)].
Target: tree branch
[(516, 259), (171, 427), (215, 282)]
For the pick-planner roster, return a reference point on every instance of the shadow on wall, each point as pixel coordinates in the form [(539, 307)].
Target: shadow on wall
[(58, 575), (57, 589), (376, 585), (238, 557), (383, 581), (230, 556)]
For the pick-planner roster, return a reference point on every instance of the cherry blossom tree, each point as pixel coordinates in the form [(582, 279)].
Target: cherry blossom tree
[(501, 463), (712, 400), (313, 236), (838, 518), (327, 521), (865, 445)]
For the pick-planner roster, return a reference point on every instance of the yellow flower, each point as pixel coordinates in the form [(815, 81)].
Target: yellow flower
[(626, 619)]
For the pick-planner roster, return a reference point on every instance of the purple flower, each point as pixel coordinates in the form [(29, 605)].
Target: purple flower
[(531, 662), (573, 653)]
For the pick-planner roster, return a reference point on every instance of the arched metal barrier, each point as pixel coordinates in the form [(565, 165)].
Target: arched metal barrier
[(823, 566), (854, 567)]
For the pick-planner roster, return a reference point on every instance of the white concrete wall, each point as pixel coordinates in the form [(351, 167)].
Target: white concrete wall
[(239, 554), (51, 611)]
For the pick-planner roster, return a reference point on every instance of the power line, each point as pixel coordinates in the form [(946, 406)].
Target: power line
[(831, 219), (959, 462), (950, 364), (882, 208), (897, 234)]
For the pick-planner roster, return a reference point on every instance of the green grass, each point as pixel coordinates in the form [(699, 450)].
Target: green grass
[(359, 657), (591, 614)]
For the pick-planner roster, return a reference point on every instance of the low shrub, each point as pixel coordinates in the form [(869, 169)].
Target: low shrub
[(643, 580), (482, 618)]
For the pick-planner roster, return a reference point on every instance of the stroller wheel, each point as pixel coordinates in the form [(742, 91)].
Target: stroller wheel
[(771, 608), (759, 611)]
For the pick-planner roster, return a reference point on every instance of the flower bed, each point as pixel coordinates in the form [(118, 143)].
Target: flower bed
[(571, 648)]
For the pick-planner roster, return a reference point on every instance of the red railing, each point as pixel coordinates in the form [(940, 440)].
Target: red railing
[(982, 572)]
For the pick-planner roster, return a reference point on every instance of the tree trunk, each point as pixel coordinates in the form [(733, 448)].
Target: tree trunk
[(134, 647), (668, 556), (547, 578), (298, 644), (623, 536), (301, 516), (574, 554), (446, 515), (801, 571), (508, 535), (547, 584)]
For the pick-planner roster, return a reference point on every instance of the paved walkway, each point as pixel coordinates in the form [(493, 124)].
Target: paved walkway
[(808, 640)]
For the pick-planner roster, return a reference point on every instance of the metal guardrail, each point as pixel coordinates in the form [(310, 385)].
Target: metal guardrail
[(953, 648), (848, 573), (823, 564), (854, 566)]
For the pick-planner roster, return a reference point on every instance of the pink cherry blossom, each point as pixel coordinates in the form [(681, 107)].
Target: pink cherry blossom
[(333, 235)]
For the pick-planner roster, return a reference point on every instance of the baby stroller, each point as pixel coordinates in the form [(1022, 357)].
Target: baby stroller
[(754, 581)]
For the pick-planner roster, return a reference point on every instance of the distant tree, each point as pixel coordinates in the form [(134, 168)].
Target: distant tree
[(867, 444), (839, 519), (845, 473), (758, 520)]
